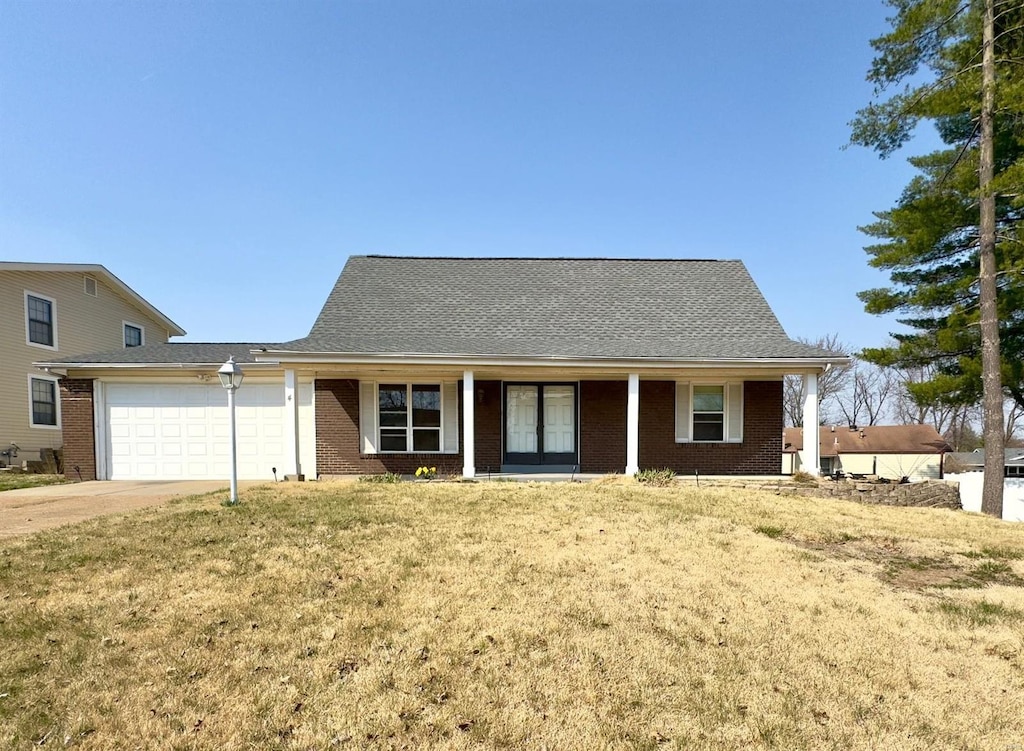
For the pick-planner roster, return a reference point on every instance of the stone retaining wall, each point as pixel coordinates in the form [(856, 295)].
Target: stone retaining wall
[(927, 494)]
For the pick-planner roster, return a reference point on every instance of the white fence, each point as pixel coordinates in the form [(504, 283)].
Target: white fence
[(970, 494)]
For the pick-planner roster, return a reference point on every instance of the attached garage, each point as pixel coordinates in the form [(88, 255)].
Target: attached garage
[(182, 431)]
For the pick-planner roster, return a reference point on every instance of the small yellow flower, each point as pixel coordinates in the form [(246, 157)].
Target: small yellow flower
[(433, 470), (419, 471)]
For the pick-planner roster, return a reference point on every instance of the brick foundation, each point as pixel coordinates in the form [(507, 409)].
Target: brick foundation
[(77, 425)]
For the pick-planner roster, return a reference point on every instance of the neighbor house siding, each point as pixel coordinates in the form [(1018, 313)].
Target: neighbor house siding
[(76, 398), (758, 454), (83, 324), (915, 467), (337, 434)]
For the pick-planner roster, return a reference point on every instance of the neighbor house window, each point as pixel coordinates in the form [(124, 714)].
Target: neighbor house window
[(43, 404), (132, 335), (709, 412), (39, 320), (409, 416)]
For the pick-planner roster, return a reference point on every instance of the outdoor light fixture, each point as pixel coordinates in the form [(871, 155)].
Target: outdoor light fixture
[(231, 376)]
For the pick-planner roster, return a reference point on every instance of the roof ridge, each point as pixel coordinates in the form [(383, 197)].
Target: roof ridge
[(548, 258)]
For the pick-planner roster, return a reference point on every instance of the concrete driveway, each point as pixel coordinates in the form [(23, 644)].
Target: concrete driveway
[(30, 510)]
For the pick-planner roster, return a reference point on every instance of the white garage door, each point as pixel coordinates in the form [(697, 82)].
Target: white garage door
[(169, 432)]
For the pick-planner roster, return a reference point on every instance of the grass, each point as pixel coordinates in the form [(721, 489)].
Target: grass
[(570, 616), (18, 480)]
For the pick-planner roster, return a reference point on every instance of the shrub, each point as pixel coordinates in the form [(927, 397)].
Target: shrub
[(804, 478), (387, 477), (659, 478)]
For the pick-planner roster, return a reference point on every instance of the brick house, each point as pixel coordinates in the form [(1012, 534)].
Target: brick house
[(471, 365)]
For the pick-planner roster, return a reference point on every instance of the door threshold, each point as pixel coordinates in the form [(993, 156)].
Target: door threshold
[(539, 469)]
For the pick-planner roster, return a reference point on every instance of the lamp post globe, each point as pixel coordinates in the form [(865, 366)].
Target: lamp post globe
[(231, 376)]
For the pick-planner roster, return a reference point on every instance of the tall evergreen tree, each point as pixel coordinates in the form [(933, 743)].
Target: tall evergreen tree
[(952, 242)]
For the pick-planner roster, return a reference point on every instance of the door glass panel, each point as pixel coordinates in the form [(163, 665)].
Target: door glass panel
[(559, 420), (521, 420)]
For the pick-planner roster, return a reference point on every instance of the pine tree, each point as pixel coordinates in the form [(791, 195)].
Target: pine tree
[(952, 242)]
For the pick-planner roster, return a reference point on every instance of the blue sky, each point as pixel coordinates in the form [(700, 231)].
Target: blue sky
[(225, 158)]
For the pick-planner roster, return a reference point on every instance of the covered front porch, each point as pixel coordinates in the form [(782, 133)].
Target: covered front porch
[(495, 421)]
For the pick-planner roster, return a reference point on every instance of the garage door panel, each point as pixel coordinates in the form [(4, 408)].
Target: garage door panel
[(182, 431)]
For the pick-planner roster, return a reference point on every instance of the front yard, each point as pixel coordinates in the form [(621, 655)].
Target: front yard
[(17, 480), (504, 615)]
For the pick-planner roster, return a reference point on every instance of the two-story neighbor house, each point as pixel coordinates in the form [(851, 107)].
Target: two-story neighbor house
[(53, 310)]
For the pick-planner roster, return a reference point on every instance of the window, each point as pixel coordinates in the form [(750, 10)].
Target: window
[(1013, 470), (409, 417), (43, 402), (39, 319), (132, 335), (709, 412)]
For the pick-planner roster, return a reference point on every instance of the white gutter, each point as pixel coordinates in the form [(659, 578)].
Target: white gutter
[(549, 361)]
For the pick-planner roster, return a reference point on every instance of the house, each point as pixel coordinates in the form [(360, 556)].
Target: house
[(471, 365), (891, 451), (51, 311), (974, 461)]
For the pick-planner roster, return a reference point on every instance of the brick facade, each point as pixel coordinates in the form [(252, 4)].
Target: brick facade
[(603, 426), (76, 416), (759, 454), (337, 434), (602, 432)]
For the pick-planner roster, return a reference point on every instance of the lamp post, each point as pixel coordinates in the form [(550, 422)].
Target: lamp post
[(231, 375)]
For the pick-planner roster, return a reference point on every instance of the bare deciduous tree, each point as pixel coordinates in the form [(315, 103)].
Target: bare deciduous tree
[(868, 391), (830, 383)]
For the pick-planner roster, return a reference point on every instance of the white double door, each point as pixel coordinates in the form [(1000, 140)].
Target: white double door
[(540, 423)]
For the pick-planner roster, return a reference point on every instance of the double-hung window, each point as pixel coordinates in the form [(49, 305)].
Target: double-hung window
[(132, 335), (43, 402), (409, 417), (709, 412), (39, 320)]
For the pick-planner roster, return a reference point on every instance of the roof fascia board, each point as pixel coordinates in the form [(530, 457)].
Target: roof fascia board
[(322, 358), (98, 269)]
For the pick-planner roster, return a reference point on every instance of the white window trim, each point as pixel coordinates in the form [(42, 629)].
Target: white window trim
[(139, 326), (726, 409), (56, 397), (53, 321), (408, 420)]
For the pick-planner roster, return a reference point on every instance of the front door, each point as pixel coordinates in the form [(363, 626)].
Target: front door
[(540, 423)]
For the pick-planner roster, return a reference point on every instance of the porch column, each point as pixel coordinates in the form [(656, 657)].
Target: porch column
[(633, 424), (812, 451), (291, 425), (468, 433)]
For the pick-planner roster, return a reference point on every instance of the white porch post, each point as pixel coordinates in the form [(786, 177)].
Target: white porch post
[(633, 424), (812, 451), (291, 424), (468, 434)]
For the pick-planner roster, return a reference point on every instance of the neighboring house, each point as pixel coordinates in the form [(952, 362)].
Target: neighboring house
[(891, 451), (975, 462), (55, 310), (470, 365)]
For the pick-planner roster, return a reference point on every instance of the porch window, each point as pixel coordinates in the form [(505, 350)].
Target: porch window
[(709, 412), (409, 416)]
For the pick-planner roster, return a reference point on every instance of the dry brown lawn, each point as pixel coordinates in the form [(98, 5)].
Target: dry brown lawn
[(606, 615)]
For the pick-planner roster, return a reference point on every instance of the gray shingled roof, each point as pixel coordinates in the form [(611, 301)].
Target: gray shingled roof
[(1014, 457), (549, 307), (171, 353)]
